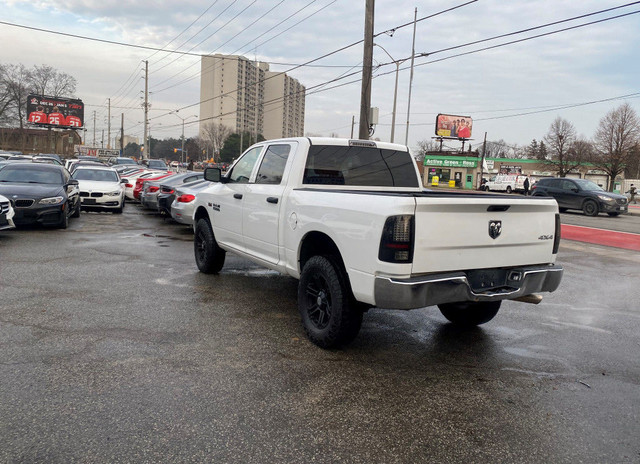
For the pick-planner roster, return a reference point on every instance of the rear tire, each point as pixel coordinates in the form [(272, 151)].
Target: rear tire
[(209, 256), (590, 208), (330, 316), (470, 313), (508, 189)]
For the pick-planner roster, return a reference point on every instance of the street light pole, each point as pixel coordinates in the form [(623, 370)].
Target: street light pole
[(182, 156), (395, 91)]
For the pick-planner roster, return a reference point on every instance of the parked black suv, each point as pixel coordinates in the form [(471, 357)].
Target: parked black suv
[(581, 194)]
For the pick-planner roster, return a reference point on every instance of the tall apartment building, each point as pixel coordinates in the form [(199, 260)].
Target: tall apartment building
[(244, 95)]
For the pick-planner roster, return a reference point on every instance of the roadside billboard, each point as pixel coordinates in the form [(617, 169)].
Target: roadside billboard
[(55, 111), (454, 127)]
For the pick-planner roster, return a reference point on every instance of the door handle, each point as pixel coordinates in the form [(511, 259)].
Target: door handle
[(273, 200), (237, 196)]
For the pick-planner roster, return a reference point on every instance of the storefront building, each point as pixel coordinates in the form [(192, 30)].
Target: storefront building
[(465, 171)]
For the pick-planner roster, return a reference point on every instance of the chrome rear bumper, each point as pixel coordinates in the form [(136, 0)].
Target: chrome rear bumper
[(455, 287)]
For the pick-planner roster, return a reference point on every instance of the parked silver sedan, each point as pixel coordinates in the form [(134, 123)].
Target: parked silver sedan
[(182, 206)]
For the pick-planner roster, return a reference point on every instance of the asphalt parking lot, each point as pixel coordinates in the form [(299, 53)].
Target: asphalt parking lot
[(114, 348)]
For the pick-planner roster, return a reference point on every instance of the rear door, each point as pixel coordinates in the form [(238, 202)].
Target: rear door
[(262, 201)]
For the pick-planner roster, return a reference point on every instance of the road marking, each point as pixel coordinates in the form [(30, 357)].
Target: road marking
[(626, 240)]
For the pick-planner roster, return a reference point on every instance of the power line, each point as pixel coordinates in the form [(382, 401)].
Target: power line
[(187, 28), (210, 35), (236, 50)]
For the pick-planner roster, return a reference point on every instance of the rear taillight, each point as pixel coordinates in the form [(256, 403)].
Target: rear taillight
[(396, 244), (129, 186), (186, 198), (153, 189), (556, 238)]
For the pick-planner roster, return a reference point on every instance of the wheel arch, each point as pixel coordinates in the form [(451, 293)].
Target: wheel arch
[(318, 243), (200, 213)]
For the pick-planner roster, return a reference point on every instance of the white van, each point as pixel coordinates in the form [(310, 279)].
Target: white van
[(506, 183)]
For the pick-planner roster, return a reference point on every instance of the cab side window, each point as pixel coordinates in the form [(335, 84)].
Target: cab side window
[(273, 164), (242, 170)]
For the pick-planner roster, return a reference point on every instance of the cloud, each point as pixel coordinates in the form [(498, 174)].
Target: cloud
[(585, 64)]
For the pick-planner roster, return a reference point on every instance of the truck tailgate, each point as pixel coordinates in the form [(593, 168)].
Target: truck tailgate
[(453, 232)]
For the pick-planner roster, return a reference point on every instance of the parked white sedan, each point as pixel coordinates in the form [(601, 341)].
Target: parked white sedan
[(6, 214), (100, 188)]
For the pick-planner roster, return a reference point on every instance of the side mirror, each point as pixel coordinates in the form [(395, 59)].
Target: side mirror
[(124, 181), (73, 182), (575, 189), (213, 175)]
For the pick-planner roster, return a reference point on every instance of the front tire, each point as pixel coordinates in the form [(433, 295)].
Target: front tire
[(64, 221), (330, 316), (76, 212), (590, 208), (613, 214), (469, 314), (209, 256)]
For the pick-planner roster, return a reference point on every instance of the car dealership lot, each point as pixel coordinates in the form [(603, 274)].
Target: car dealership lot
[(115, 348)]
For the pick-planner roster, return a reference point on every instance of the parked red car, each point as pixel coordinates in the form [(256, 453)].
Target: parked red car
[(140, 183)]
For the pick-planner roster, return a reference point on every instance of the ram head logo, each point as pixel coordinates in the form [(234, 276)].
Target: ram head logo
[(495, 229)]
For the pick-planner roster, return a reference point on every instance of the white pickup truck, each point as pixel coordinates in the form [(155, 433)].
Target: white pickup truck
[(351, 220)]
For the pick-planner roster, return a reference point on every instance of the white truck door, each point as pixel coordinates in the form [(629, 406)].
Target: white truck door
[(230, 198), (262, 201)]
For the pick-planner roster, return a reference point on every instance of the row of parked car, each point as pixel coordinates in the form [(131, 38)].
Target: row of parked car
[(167, 193), (48, 191)]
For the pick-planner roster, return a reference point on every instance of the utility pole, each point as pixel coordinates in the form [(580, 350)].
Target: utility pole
[(484, 151), (413, 54), (353, 123), (102, 141), (146, 110), (122, 134), (94, 128), (109, 125), (367, 62), (182, 149)]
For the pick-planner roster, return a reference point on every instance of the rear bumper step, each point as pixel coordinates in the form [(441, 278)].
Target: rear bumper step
[(455, 287)]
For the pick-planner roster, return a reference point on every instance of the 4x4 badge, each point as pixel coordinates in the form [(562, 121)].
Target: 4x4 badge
[(495, 229)]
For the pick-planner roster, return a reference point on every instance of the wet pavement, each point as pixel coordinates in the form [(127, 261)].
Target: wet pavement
[(114, 348)]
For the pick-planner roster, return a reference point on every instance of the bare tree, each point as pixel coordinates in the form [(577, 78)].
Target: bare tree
[(46, 80), (16, 78), (5, 97), (216, 134), (560, 139), (615, 140), (425, 147)]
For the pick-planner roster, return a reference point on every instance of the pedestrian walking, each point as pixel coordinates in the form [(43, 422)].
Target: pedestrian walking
[(525, 185), (632, 193)]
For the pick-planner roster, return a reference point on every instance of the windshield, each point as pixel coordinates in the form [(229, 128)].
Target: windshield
[(29, 175), (100, 175), (125, 161), (588, 185), (158, 164)]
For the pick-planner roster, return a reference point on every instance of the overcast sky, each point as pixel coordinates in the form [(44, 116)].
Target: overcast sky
[(512, 92)]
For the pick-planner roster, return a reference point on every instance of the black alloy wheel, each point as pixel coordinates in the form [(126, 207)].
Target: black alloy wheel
[(590, 208), (330, 315), (209, 256)]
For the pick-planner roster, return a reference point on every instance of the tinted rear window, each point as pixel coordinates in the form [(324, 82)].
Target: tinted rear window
[(359, 166)]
